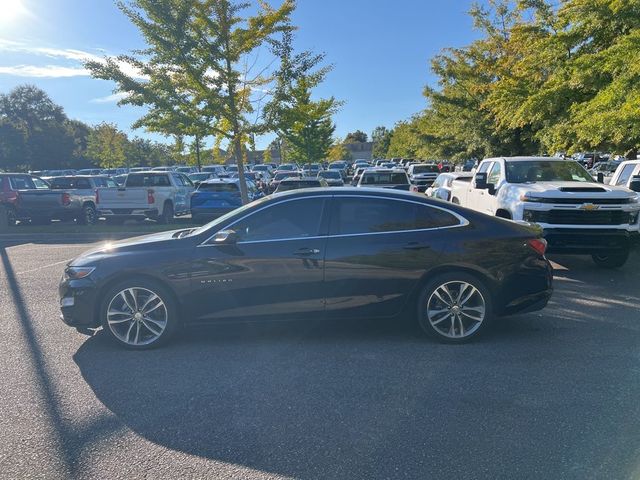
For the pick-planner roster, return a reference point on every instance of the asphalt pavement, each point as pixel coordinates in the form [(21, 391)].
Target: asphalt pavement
[(554, 394)]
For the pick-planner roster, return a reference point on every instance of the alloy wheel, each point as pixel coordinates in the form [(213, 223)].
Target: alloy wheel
[(456, 309), (137, 316)]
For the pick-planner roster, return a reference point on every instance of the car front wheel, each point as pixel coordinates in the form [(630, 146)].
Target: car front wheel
[(139, 314), (455, 308)]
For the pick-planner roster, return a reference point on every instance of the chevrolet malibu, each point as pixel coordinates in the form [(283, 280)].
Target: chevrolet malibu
[(314, 253)]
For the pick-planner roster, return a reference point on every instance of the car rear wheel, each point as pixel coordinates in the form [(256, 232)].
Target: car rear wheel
[(139, 314), (88, 216), (455, 308), (616, 260)]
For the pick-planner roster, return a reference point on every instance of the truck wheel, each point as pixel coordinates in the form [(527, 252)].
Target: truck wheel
[(167, 214), (615, 260), (88, 216)]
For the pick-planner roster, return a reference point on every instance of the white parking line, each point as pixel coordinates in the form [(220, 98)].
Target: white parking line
[(44, 266)]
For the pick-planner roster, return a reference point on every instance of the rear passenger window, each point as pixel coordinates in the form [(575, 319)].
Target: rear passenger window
[(374, 215)]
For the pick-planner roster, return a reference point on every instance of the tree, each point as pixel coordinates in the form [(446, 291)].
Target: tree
[(356, 137), (267, 157), (107, 146), (196, 66), (304, 126), (339, 152), (381, 138)]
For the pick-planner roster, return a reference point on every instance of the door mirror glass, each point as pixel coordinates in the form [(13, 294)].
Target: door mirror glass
[(225, 237), (481, 181)]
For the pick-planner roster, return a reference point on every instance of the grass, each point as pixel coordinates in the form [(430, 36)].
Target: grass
[(60, 228)]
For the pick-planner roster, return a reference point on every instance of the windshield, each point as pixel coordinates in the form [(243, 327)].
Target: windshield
[(330, 174), (384, 178), (425, 169), (546, 171), (283, 175)]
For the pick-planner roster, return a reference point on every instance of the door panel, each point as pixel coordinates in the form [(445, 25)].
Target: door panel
[(371, 274), (274, 269)]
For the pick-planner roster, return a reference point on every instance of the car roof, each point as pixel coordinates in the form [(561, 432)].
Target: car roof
[(527, 159)]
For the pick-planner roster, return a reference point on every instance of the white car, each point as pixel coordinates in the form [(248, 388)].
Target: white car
[(625, 174), (441, 187)]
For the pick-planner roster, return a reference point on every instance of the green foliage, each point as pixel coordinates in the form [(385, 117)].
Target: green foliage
[(303, 125), (541, 78), (339, 152), (356, 137), (381, 138), (195, 73), (107, 146)]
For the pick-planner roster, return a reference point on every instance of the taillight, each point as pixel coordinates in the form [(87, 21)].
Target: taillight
[(66, 199), (539, 245), (150, 198)]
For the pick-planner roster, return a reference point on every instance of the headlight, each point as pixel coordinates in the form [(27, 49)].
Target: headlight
[(76, 273), (527, 197)]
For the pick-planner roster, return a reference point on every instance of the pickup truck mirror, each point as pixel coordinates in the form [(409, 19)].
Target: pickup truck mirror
[(225, 237), (480, 181), (634, 185), (600, 177)]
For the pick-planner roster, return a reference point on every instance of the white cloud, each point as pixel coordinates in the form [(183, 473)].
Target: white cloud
[(73, 56), (44, 71), (116, 97)]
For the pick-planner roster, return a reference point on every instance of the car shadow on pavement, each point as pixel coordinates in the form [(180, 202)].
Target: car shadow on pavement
[(334, 399)]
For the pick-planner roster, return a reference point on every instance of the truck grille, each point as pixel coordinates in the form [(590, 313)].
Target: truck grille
[(578, 217)]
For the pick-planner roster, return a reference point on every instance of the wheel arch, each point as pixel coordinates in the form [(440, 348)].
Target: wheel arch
[(122, 276), (504, 213)]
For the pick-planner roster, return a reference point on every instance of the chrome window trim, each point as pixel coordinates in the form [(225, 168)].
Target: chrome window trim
[(463, 221)]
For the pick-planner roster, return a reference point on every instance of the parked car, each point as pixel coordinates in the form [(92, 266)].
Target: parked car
[(157, 195), (626, 175), (311, 170), (578, 216), (287, 167), (112, 172), (186, 170), (217, 197), (342, 166), (11, 184), (279, 176), (198, 178), (385, 178), (268, 169), (218, 170), (603, 171), (90, 171), (332, 177), (441, 187), (422, 175), (469, 165), (290, 183), (348, 253), (83, 192)]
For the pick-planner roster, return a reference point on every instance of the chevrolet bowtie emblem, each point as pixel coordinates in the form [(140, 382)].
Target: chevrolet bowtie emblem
[(589, 207)]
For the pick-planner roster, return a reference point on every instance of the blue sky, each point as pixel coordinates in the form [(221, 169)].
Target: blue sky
[(380, 50)]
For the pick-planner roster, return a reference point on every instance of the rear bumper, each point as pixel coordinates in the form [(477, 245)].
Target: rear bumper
[(128, 212), (590, 241)]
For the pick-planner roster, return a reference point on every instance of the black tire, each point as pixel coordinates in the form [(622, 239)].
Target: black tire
[(467, 328), (614, 260), (122, 327), (88, 216), (167, 216)]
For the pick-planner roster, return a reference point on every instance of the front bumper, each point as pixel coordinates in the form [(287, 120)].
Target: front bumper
[(79, 303), (590, 241)]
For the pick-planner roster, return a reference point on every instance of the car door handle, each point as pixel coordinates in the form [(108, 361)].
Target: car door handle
[(306, 252), (416, 246)]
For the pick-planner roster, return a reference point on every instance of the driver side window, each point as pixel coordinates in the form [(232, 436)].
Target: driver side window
[(495, 174), (295, 219)]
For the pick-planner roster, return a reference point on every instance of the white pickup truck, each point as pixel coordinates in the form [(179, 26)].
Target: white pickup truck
[(157, 195), (578, 215), (627, 175)]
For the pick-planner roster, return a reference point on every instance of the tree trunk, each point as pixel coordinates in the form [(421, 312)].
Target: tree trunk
[(240, 162), (198, 152)]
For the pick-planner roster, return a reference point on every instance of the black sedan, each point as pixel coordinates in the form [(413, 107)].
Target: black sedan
[(357, 253)]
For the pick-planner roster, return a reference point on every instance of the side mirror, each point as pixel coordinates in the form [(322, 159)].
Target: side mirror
[(225, 237), (600, 177), (480, 181), (634, 185)]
